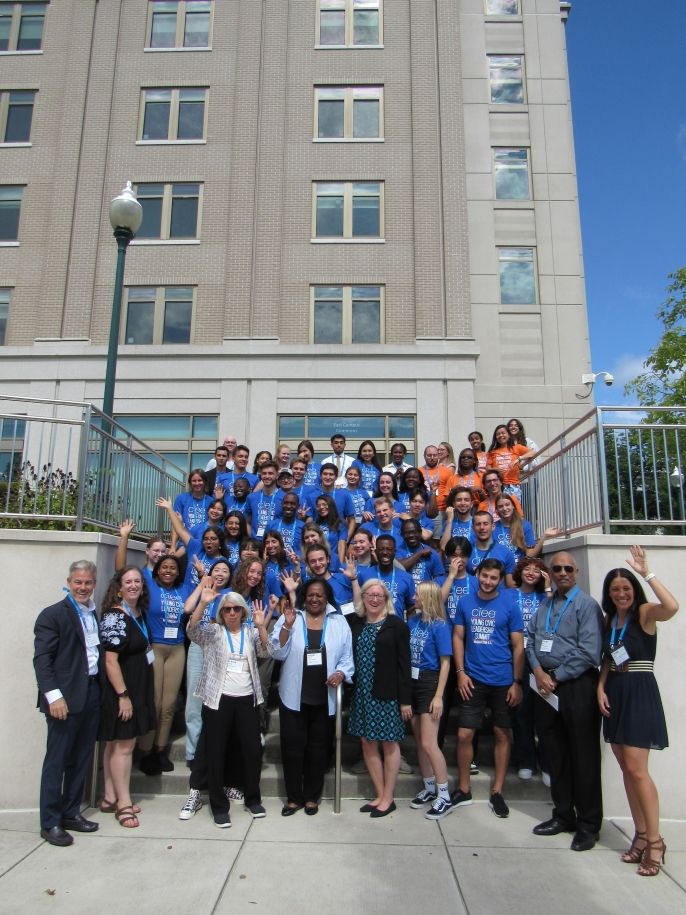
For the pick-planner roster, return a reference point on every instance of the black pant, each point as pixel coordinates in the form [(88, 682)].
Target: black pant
[(68, 752), (525, 753), (305, 744), (233, 773), (571, 742), (233, 729)]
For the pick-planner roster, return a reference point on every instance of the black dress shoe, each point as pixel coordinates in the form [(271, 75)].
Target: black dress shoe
[(584, 841), (57, 836), (551, 828), (287, 810), (80, 824), (377, 812)]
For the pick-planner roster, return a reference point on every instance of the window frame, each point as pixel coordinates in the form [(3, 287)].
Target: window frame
[(347, 313), (5, 303), (166, 214), (348, 8), (503, 149), (349, 98), (14, 242), (501, 249), (506, 104), (16, 18), (348, 197), (180, 34), (173, 121), (160, 301), (5, 105)]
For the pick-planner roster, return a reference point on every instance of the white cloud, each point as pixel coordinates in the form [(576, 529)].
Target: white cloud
[(626, 367)]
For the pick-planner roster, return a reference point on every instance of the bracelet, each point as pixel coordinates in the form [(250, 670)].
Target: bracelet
[(650, 576), (123, 695), (459, 670)]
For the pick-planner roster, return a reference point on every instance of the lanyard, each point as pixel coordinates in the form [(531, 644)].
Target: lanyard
[(416, 646), (485, 553), (270, 506), (172, 604), (140, 623), (230, 641), (93, 628), (570, 597), (535, 601), (390, 584), (321, 643), (613, 635)]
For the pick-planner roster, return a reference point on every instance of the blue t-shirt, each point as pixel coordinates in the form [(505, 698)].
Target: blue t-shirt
[(311, 477), (399, 583), (192, 511), (494, 551), (487, 627), (333, 538), (369, 475), (194, 550), (233, 505), (501, 535), (341, 497), (428, 568), (291, 532), (528, 604), (229, 477), (429, 642), (342, 588), (376, 530), (262, 511), (233, 548), (462, 529), (459, 587), (165, 613), (398, 506), (359, 497)]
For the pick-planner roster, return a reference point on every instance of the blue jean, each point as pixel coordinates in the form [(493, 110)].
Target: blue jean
[(193, 703)]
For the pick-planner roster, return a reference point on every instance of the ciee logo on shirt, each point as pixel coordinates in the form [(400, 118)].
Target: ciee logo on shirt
[(483, 613)]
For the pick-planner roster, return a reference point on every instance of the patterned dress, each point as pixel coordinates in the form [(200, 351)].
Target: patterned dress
[(120, 634), (375, 719)]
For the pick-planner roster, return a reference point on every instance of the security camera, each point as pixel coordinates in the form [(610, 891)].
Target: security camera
[(590, 378), (609, 379)]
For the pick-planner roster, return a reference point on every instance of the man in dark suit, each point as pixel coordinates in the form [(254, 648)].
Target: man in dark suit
[(67, 661)]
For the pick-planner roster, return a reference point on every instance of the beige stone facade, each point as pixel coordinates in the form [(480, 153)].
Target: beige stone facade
[(451, 353)]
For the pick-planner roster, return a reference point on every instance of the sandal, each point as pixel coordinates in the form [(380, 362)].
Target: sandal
[(111, 807), (650, 866), (634, 852), (125, 817)]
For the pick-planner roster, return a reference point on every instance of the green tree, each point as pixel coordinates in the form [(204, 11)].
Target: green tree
[(664, 381)]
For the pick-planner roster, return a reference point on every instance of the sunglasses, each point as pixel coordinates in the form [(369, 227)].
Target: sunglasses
[(232, 609), (568, 569)]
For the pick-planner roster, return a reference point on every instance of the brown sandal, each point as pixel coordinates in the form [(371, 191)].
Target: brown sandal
[(125, 817), (650, 866), (634, 852), (111, 806)]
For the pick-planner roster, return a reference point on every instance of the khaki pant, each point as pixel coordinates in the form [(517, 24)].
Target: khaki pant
[(167, 670)]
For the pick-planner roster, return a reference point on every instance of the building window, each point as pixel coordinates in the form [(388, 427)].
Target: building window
[(188, 441), (506, 75), (158, 314), (10, 208), (180, 24), (382, 430), (502, 7), (21, 26), (347, 314), (349, 23), (4, 311), (511, 168), (16, 113), (517, 276), (348, 210), (170, 211), (348, 112), (173, 115)]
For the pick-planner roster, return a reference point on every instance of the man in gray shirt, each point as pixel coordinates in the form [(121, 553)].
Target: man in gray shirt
[(563, 646)]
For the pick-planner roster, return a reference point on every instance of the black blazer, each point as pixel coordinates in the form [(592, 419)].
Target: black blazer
[(60, 659), (392, 674)]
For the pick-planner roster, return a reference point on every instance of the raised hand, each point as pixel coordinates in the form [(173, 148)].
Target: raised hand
[(126, 527), (350, 570), (258, 614), (289, 615), (638, 560), (163, 503), (289, 582), (552, 532)]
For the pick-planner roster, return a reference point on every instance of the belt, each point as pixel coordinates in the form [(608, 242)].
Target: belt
[(629, 667)]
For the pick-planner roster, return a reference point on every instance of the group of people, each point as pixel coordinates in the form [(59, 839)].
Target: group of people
[(416, 587)]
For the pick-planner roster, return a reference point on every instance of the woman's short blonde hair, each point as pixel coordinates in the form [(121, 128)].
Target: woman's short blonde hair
[(235, 600), (388, 607), (432, 601)]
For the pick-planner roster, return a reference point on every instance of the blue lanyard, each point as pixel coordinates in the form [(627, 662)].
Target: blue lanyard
[(613, 635), (535, 601), (262, 500), (321, 643), (141, 624), (423, 628), (485, 553), (230, 641), (84, 619), (389, 584), (570, 597)]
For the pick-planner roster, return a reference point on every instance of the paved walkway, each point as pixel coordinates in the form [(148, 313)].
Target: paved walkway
[(470, 862)]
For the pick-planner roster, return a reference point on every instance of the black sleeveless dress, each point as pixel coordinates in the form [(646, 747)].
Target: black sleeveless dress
[(636, 717)]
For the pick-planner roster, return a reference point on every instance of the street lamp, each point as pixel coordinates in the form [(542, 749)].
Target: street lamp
[(126, 215)]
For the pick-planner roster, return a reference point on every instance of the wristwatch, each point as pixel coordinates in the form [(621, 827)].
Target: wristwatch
[(518, 681), (124, 695)]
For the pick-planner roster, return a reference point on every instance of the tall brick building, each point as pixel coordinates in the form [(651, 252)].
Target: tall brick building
[(359, 214)]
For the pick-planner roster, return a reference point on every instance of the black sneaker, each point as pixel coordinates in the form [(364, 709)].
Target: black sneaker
[(222, 820), (439, 809), (461, 798), (150, 764), (422, 799), (166, 765), (498, 806), (256, 811)]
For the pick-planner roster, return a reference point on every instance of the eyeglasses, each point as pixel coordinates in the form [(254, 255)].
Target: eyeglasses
[(568, 569), (233, 609)]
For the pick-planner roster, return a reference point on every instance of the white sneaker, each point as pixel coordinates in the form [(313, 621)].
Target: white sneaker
[(545, 777), (405, 768), (192, 805), (525, 774)]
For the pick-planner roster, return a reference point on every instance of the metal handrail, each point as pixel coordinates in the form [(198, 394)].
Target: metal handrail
[(339, 736)]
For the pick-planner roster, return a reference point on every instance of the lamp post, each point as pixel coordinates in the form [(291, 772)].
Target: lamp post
[(126, 215)]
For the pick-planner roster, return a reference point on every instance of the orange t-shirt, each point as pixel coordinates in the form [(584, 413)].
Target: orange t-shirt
[(488, 505), (505, 460), (472, 481), (440, 475)]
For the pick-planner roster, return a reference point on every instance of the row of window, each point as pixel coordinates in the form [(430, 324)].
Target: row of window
[(21, 26)]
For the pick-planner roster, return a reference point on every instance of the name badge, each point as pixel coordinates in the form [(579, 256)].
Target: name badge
[(415, 673), (92, 640), (620, 655), (150, 655), (526, 640), (546, 645), (171, 632), (347, 609), (314, 658), (260, 532), (234, 666)]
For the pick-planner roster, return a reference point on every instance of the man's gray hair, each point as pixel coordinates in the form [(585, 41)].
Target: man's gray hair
[(83, 565)]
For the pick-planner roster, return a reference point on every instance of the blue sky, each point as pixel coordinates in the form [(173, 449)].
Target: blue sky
[(628, 103)]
